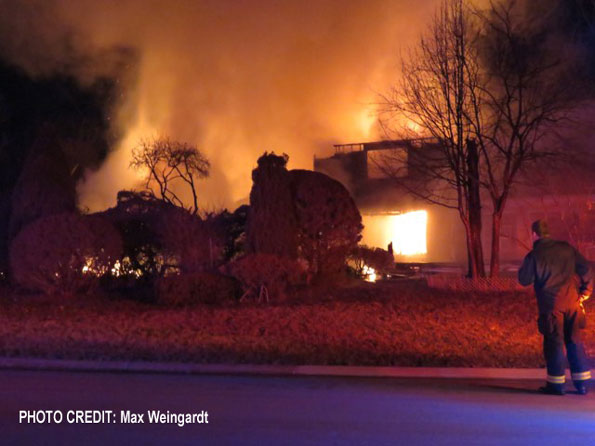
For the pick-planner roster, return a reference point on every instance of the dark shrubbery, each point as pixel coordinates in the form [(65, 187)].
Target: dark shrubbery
[(193, 288), (272, 226), (266, 276), (300, 225), (161, 239), (329, 221), (301, 214), (232, 227), (63, 254), (194, 244), (137, 216)]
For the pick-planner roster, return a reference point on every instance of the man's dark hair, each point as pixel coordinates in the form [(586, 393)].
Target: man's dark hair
[(540, 228)]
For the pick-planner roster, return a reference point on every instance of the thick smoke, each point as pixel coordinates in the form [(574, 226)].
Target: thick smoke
[(234, 77)]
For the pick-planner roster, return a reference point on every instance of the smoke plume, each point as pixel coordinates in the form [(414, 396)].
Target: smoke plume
[(235, 78)]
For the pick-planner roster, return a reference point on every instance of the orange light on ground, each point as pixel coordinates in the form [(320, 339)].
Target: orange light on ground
[(406, 231)]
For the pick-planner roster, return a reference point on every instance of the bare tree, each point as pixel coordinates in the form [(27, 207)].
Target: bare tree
[(439, 93), (488, 86), (169, 165), (526, 97)]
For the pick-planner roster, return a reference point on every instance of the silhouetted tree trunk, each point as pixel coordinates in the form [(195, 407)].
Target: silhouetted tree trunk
[(527, 95), (440, 81), (475, 224), (489, 76)]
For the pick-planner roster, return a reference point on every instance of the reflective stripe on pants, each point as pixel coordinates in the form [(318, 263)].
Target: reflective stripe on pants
[(581, 376), (561, 379)]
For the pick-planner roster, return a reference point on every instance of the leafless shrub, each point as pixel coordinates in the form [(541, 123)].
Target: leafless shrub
[(171, 165)]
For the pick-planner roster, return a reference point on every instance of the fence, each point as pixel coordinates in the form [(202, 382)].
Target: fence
[(455, 282)]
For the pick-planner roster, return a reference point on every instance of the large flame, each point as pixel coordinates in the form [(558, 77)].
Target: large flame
[(407, 232), (241, 78), (234, 78)]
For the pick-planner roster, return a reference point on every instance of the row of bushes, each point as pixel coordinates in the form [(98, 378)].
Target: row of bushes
[(130, 246), (253, 277), (299, 225), (64, 253), (68, 254)]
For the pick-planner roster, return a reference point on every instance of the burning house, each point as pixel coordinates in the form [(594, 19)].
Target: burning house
[(424, 232), (419, 231)]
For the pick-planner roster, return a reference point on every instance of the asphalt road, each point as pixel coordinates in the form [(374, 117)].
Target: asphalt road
[(250, 410)]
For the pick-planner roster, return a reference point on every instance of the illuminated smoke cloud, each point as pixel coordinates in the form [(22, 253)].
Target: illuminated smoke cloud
[(234, 77)]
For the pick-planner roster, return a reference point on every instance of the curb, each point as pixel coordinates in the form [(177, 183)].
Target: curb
[(267, 370)]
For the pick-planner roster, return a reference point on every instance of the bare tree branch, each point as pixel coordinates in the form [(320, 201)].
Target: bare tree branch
[(171, 165)]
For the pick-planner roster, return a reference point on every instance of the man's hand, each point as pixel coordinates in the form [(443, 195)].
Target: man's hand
[(585, 297)]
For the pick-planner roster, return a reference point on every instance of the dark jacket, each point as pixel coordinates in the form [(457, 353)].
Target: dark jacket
[(559, 274)]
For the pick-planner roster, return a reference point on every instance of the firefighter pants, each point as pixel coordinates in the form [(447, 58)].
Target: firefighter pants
[(562, 328)]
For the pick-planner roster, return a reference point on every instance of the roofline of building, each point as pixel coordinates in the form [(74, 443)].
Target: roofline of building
[(384, 144)]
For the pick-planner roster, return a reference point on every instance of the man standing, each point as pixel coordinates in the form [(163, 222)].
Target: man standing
[(562, 279)]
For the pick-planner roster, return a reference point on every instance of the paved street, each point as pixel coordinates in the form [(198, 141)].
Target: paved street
[(245, 410)]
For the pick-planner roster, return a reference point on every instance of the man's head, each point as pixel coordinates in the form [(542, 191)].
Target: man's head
[(540, 229)]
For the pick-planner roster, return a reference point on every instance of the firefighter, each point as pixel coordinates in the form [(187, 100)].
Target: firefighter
[(562, 280)]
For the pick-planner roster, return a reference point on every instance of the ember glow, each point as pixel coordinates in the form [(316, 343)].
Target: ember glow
[(406, 231), (369, 273)]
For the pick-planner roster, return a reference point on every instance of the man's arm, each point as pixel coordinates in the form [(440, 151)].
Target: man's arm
[(527, 271), (585, 274)]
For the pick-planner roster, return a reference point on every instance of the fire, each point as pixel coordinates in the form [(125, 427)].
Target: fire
[(99, 188), (407, 232), (369, 273), (413, 127), (366, 119), (119, 268)]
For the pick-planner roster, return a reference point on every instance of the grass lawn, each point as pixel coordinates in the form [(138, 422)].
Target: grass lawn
[(402, 323)]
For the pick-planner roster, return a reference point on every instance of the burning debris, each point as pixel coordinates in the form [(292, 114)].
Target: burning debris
[(369, 274)]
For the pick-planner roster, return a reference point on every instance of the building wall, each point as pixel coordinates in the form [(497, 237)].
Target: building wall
[(571, 218)]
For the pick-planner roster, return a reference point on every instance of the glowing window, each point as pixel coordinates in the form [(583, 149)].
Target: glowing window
[(407, 232)]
